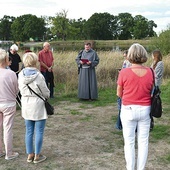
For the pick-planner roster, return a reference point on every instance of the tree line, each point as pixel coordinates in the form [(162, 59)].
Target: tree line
[(100, 26)]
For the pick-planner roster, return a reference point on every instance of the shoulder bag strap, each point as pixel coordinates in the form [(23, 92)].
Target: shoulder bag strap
[(35, 92)]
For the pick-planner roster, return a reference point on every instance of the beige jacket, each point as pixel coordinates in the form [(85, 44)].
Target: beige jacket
[(33, 107)]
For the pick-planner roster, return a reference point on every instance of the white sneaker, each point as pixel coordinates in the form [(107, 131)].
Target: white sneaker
[(13, 155)]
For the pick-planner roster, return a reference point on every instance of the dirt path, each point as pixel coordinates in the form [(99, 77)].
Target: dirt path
[(80, 137)]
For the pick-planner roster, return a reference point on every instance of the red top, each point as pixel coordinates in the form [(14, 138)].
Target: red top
[(47, 58), (136, 90)]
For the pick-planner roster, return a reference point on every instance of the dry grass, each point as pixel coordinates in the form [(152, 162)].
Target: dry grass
[(65, 69)]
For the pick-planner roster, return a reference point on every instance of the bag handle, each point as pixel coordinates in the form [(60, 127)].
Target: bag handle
[(35, 93)]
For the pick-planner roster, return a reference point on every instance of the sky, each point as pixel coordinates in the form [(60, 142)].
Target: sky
[(156, 10)]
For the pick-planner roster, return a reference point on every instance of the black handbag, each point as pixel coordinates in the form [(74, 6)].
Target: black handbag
[(48, 106), (156, 102)]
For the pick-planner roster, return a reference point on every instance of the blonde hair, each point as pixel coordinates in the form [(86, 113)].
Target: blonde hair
[(3, 55), (137, 54), (30, 59)]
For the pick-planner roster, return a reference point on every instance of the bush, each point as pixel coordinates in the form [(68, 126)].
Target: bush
[(162, 42)]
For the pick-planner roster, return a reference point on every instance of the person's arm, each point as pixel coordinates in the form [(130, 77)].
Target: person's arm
[(44, 65), (50, 68), (41, 62), (159, 73), (119, 91), (95, 61)]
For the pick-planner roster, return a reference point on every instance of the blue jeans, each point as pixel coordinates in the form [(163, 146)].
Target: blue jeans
[(39, 127), (118, 122)]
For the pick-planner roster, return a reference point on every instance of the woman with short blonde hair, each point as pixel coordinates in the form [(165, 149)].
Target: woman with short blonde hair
[(30, 59), (33, 108)]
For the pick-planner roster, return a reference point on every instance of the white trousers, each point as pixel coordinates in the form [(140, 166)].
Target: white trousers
[(136, 123)]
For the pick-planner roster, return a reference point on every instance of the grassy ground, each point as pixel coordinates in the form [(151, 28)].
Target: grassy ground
[(82, 136)]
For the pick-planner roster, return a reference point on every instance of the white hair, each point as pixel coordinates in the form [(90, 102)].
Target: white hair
[(14, 47)]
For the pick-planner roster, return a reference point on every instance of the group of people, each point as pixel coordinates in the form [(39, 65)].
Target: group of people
[(13, 80), (134, 86)]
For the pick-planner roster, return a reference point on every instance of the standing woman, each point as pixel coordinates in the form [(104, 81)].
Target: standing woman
[(8, 93), (33, 108), (157, 66), (134, 86)]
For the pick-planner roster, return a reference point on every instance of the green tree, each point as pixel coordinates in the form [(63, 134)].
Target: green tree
[(151, 25), (77, 29), (101, 26), (125, 26), (28, 26), (142, 27), (5, 27), (60, 27)]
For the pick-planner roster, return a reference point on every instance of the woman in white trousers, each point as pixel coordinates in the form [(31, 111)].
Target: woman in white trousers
[(134, 87)]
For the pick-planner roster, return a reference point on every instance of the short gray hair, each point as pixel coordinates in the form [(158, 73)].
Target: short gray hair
[(46, 43), (30, 59), (137, 54)]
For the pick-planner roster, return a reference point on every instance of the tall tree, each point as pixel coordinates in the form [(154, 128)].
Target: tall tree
[(77, 29), (140, 29), (125, 26), (5, 27), (100, 26), (151, 25), (60, 26), (143, 28), (28, 26)]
